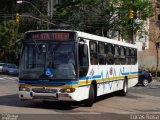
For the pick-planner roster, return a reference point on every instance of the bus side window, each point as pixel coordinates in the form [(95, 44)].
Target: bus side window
[(101, 53), (93, 53), (122, 54), (117, 55), (83, 60), (128, 59), (110, 54), (133, 56)]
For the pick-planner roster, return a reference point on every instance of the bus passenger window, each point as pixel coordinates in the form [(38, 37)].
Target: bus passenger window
[(94, 59), (133, 56), (128, 58), (93, 53), (101, 53), (117, 55), (122, 55), (109, 54)]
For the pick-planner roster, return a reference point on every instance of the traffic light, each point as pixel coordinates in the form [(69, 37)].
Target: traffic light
[(17, 17), (131, 14)]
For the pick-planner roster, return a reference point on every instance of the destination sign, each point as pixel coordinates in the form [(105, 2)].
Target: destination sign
[(56, 36)]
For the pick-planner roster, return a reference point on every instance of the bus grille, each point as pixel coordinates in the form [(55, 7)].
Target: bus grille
[(44, 90)]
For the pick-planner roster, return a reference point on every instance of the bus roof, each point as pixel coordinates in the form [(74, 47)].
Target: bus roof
[(93, 37), (105, 39)]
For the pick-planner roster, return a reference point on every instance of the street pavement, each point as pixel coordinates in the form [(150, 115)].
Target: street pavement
[(140, 103)]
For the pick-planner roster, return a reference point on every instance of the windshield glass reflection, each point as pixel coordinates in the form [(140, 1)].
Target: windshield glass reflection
[(48, 61)]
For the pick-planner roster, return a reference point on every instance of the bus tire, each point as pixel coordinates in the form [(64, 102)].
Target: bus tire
[(124, 91), (89, 102)]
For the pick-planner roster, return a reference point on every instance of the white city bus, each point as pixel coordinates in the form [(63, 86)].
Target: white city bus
[(65, 65)]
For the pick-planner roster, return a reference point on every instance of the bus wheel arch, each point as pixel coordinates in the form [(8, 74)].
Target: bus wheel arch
[(94, 83), (92, 94), (124, 91)]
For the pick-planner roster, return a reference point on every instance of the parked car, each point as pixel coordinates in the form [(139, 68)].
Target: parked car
[(1, 67), (144, 78), (10, 69)]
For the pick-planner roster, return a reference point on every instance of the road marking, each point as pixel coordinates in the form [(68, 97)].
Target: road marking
[(8, 78)]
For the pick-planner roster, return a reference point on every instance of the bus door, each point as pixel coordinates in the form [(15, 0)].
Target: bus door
[(83, 62)]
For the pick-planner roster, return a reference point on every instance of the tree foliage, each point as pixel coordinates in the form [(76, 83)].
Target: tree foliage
[(100, 16), (8, 36), (10, 31)]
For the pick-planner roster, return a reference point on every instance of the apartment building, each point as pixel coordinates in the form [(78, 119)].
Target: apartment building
[(147, 55)]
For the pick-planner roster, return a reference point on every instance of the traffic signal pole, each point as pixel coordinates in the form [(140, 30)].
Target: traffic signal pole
[(131, 19), (132, 22)]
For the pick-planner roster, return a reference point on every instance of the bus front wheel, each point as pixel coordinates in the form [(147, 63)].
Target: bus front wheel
[(124, 91), (89, 102)]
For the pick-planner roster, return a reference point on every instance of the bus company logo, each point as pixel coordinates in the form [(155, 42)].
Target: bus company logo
[(111, 71)]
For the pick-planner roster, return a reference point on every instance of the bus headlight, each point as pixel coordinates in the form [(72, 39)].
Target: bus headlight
[(67, 90), (24, 89)]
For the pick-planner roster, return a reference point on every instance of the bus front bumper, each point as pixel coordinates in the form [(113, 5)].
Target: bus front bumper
[(24, 95)]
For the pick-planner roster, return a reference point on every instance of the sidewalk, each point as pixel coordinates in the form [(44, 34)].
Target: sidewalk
[(156, 78), (154, 84)]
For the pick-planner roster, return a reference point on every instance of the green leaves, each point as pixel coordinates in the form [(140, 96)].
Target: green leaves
[(8, 36), (100, 16)]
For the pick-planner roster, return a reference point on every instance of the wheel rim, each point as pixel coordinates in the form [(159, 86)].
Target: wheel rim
[(125, 88), (145, 82)]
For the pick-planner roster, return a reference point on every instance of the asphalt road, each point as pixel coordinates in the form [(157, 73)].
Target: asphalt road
[(140, 103)]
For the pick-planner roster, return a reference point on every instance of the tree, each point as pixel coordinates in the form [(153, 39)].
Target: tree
[(10, 30), (8, 35), (100, 16), (93, 16), (31, 18)]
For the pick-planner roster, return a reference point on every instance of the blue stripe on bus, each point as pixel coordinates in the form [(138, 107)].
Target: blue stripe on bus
[(100, 76), (127, 73), (134, 72), (90, 77)]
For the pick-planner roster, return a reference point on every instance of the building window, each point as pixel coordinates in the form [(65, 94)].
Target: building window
[(158, 3)]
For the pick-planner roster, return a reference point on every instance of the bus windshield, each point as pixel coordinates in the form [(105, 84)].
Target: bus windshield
[(54, 60)]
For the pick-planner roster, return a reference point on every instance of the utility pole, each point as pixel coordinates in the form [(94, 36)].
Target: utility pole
[(131, 18)]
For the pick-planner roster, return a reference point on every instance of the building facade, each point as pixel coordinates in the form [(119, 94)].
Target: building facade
[(147, 55)]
